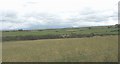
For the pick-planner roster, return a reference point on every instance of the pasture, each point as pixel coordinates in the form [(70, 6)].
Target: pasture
[(59, 33), (82, 30), (93, 49)]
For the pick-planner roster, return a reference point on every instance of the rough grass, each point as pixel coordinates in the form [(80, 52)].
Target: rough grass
[(95, 49)]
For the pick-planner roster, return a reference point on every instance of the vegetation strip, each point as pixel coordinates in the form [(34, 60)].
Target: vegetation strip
[(60, 33)]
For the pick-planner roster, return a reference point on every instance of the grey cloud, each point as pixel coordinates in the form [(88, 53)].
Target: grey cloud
[(94, 16), (11, 20), (8, 16)]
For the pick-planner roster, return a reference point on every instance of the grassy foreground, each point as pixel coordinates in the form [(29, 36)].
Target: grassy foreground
[(94, 49)]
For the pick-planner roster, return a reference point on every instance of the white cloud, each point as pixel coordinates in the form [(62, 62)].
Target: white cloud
[(35, 14)]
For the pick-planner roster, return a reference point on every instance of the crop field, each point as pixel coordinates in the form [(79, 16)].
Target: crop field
[(93, 49)]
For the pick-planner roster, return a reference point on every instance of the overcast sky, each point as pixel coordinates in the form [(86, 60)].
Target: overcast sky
[(43, 14)]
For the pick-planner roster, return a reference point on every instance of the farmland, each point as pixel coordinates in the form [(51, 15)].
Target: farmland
[(85, 44), (94, 49), (83, 30), (59, 33)]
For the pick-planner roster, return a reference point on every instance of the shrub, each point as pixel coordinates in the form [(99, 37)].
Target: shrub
[(49, 36), (20, 30), (89, 27), (109, 26), (117, 25)]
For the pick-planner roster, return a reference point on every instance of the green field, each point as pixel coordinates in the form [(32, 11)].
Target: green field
[(59, 33), (93, 49), (82, 30)]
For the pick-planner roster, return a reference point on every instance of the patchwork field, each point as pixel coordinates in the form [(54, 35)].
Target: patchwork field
[(93, 49)]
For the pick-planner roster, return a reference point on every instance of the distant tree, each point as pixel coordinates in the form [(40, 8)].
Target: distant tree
[(20, 30), (56, 31), (117, 25), (109, 26), (40, 30), (6, 31), (89, 27)]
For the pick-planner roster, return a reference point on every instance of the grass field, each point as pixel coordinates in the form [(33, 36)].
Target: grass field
[(79, 32), (93, 49), (82, 30)]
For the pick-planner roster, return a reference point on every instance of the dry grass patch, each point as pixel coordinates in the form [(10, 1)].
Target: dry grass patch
[(95, 49)]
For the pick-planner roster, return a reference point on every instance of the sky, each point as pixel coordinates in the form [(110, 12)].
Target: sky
[(45, 14)]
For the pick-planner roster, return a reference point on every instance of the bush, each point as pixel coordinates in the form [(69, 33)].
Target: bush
[(89, 27), (20, 30), (49, 36), (117, 25), (109, 26)]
